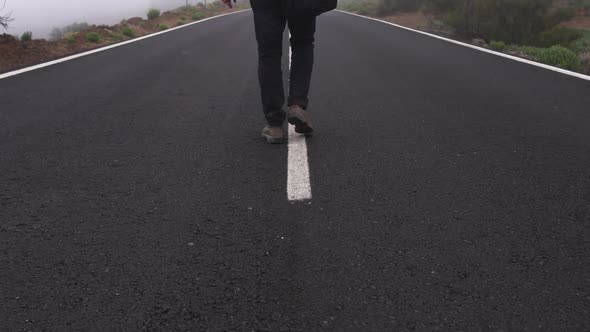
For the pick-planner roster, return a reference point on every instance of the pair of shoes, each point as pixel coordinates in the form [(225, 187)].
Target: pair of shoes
[(273, 135), (298, 117)]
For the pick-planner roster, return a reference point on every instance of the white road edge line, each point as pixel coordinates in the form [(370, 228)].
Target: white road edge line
[(298, 184), (533, 63), (102, 49)]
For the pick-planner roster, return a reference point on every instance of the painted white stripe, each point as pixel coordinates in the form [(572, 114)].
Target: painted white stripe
[(298, 184), (102, 49), (503, 55)]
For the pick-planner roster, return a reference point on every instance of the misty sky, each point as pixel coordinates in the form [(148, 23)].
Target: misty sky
[(40, 16)]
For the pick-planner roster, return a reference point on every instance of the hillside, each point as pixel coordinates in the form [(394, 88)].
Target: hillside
[(19, 52)]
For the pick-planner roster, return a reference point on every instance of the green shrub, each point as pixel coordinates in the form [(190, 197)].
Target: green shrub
[(581, 45), (511, 48), (560, 57), (558, 35), (198, 16), (153, 13), (93, 37), (26, 36), (127, 31), (163, 27), (529, 50), (71, 36), (499, 46), (180, 22)]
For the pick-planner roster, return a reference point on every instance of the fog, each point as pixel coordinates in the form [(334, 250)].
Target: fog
[(41, 16)]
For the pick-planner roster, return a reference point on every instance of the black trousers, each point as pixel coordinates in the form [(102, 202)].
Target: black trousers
[(270, 19)]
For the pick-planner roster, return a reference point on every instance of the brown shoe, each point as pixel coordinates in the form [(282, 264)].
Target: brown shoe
[(273, 135), (298, 117)]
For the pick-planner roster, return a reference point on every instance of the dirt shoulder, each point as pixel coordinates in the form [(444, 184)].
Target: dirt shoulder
[(419, 21), (580, 22), (415, 20)]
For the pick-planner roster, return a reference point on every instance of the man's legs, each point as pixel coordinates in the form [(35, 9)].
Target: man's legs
[(302, 31), (269, 23)]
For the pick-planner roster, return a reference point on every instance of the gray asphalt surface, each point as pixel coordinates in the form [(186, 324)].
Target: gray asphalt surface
[(451, 190)]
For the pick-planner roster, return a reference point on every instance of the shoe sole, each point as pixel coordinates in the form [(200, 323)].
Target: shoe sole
[(273, 140), (301, 126)]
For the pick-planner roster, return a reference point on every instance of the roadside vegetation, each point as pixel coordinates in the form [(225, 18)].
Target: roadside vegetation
[(26, 36), (93, 37), (539, 30), (128, 32), (71, 37), (21, 51), (59, 33), (153, 14)]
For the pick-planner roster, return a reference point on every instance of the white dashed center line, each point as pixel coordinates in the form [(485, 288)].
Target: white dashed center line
[(298, 184)]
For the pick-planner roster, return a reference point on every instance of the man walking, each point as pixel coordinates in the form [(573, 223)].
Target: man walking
[(270, 19)]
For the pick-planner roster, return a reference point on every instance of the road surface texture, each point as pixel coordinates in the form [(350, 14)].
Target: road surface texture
[(451, 189)]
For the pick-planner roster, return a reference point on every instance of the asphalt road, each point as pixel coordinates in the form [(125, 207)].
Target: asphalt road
[(451, 190)]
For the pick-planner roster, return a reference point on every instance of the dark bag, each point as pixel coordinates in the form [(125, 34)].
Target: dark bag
[(310, 7)]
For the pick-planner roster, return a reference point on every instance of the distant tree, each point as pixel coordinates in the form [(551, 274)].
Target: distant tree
[(56, 34), (4, 18), (59, 33)]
